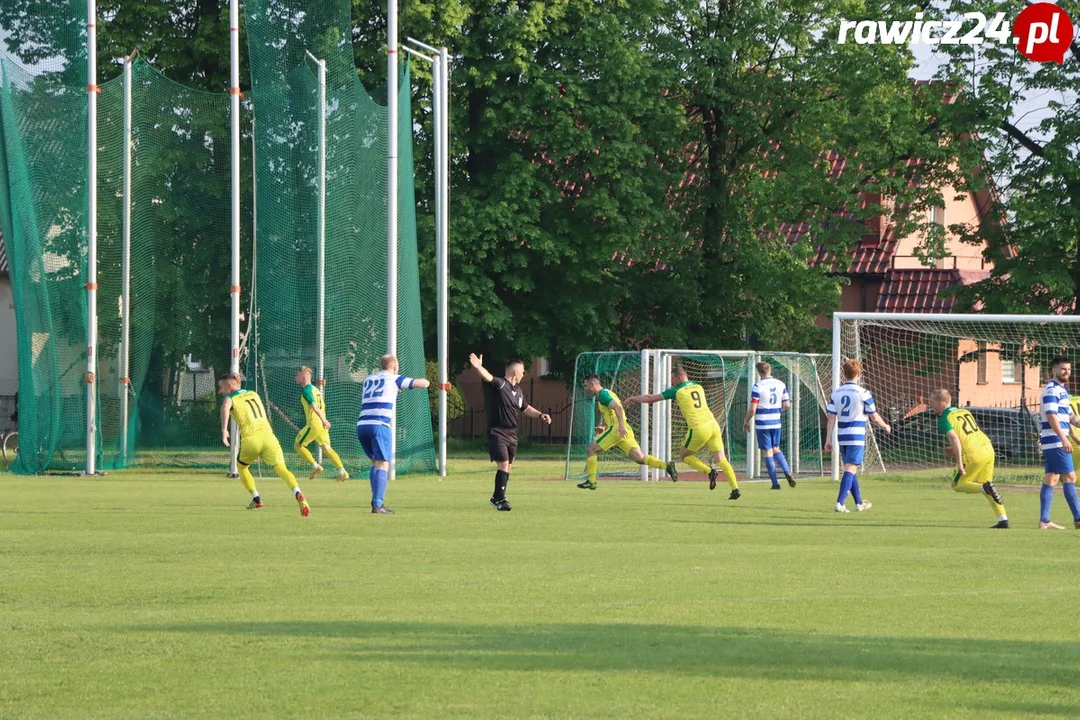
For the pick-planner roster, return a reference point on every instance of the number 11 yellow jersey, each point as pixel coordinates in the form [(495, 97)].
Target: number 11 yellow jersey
[(248, 412)]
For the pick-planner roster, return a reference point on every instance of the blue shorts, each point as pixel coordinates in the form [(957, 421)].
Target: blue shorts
[(852, 454), (768, 439), (376, 441), (1056, 460)]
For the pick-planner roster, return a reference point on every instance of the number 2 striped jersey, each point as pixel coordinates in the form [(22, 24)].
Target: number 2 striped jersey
[(769, 394), (691, 399), (851, 404), (380, 395), (248, 412)]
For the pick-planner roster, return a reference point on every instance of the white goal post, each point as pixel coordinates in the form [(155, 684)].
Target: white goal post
[(994, 365)]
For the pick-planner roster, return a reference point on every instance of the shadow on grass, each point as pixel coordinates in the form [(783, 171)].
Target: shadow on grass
[(680, 650)]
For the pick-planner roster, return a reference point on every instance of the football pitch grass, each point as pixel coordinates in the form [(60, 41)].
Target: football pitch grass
[(158, 595)]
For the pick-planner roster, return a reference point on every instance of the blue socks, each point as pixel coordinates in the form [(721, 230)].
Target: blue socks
[(855, 490), (1070, 497), (770, 466), (845, 487), (1046, 497), (378, 486), (782, 462)]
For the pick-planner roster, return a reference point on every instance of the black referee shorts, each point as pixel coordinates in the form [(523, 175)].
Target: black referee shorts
[(502, 444)]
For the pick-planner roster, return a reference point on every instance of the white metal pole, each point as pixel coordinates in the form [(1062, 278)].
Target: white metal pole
[(751, 443), (658, 409), (667, 408), (795, 434), (444, 247), (234, 285), (391, 202), (125, 269), (91, 260), (836, 359), (644, 390), (321, 270), (438, 123)]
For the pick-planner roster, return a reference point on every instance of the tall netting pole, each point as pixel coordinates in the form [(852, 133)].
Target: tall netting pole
[(320, 263), (91, 260), (392, 200), (234, 285), (125, 271), (443, 101)]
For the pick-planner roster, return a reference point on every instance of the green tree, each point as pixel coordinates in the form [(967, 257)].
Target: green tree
[(1029, 167)]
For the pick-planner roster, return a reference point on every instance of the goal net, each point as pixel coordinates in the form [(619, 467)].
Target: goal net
[(726, 377), (994, 366)]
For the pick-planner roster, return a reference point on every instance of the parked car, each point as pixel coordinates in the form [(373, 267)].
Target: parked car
[(1013, 432)]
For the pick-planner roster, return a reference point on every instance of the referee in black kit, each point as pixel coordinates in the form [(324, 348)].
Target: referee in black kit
[(504, 402)]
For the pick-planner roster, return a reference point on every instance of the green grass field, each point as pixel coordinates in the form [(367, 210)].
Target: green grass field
[(140, 595)]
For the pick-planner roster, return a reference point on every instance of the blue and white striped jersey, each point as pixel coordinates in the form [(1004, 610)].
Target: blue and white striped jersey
[(769, 394), (380, 394), (855, 403), (1055, 401)]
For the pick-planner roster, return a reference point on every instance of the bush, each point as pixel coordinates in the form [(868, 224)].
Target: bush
[(455, 400)]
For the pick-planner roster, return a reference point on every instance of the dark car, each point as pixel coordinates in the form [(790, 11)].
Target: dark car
[(1013, 432)]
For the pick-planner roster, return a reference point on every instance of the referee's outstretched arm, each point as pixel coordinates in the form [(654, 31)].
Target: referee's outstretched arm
[(477, 361)]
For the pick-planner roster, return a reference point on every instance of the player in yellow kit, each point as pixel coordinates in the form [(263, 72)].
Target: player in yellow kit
[(972, 450), (311, 398), (615, 433), (256, 438), (702, 428)]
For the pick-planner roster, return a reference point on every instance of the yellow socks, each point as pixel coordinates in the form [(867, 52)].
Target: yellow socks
[(972, 488), (334, 458), (654, 462), (590, 467), (696, 464), (247, 480), (305, 454), (729, 473), (288, 477)]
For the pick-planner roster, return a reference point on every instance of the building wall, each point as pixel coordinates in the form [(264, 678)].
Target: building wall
[(966, 257)]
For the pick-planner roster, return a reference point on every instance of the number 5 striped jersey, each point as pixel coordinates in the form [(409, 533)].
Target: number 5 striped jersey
[(380, 395), (691, 399), (248, 412)]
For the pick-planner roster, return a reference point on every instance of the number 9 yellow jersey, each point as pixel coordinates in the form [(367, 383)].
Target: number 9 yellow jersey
[(691, 399)]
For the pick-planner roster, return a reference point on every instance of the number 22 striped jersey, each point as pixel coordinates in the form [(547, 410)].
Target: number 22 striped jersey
[(380, 395)]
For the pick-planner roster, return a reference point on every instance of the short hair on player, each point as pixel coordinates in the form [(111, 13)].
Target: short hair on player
[(230, 376), (592, 376), (852, 369), (763, 368), (941, 395), (306, 369), (515, 361), (1060, 360), (387, 361), (679, 370)]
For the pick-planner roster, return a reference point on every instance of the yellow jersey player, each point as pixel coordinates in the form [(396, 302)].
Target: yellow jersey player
[(615, 433), (972, 450), (317, 426), (702, 428), (257, 438)]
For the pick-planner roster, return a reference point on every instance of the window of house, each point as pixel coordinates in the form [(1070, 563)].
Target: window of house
[(980, 364), (1008, 371), (937, 216)]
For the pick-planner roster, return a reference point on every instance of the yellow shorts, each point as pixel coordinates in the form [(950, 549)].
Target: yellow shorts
[(979, 466), (309, 434), (263, 445), (710, 435), (610, 438)]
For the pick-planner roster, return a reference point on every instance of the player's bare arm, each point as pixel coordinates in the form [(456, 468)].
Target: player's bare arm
[(957, 450), (420, 384), (226, 406), (477, 361), (646, 399), (322, 418), (876, 419), (532, 412), (750, 412), (621, 429), (829, 432)]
